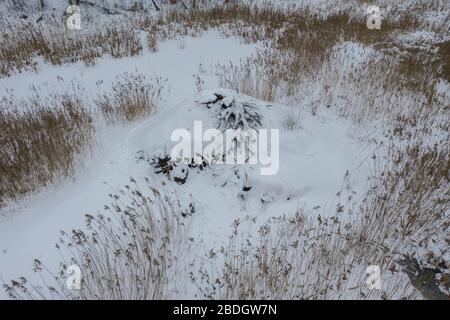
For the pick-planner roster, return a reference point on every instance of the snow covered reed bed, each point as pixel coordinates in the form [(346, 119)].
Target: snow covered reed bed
[(45, 139), (137, 249), (393, 85)]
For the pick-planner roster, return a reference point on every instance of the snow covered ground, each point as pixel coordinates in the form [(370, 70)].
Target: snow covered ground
[(316, 158)]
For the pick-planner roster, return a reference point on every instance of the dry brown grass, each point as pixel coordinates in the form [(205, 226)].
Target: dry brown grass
[(134, 96), (56, 45), (42, 143)]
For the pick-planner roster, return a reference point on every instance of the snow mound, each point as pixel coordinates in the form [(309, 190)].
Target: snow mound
[(313, 161)]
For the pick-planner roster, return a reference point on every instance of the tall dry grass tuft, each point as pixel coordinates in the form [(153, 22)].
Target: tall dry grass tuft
[(57, 45), (291, 119), (17, 52), (135, 250), (409, 202), (42, 143), (134, 96)]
